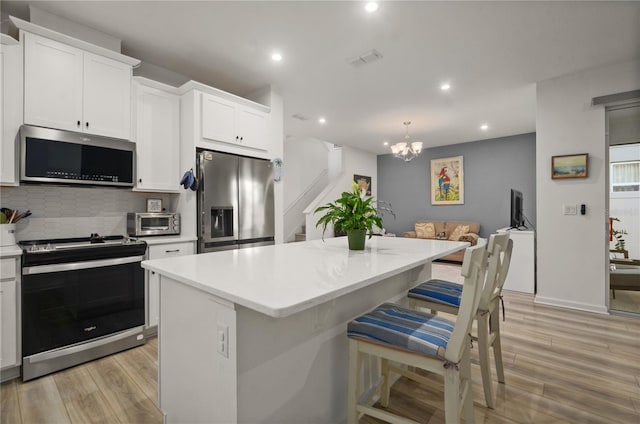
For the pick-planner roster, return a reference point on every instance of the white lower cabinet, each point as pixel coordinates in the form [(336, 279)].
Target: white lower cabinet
[(153, 279), (9, 313)]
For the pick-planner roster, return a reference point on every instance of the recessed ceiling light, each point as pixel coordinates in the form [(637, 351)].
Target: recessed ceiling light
[(386, 143), (276, 57), (371, 6), (322, 120), (484, 127), (445, 86)]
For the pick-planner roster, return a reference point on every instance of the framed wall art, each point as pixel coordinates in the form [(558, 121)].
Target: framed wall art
[(363, 182), (447, 181), (570, 166)]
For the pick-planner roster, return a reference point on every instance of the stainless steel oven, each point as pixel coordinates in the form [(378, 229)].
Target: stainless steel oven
[(80, 301)]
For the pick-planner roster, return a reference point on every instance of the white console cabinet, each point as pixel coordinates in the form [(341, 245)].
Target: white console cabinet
[(157, 251), (522, 270), (71, 89), (156, 122)]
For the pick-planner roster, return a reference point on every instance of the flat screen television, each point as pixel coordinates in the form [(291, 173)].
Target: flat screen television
[(517, 217)]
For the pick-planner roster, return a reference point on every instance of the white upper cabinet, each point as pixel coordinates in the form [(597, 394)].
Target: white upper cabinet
[(229, 122), (11, 108), (157, 136), (71, 89), (107, 96), (218, 119)]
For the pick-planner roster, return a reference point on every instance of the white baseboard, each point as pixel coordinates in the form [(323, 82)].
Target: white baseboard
[(588, 307)]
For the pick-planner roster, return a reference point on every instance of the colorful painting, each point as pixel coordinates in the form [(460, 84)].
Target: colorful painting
[(363, 182), (447, 181), (570, 166)]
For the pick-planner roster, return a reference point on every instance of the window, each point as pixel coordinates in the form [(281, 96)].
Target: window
[(625, 176)]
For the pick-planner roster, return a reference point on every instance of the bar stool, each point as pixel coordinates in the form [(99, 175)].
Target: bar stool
[(445, 296), (421, 340)]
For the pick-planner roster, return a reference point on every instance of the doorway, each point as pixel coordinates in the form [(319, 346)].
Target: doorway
[(623, 130)]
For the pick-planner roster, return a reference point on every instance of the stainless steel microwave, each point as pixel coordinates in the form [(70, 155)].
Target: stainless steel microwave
[(153, 223), (65, 157)]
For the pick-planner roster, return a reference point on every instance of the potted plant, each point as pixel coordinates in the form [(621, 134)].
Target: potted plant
[(353, 213)]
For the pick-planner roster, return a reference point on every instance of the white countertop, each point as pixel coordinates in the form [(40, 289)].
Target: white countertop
[(9, 251), (283, 279)]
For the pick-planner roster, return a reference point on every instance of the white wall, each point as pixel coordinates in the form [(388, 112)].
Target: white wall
[(304, 160), (354, 161), (572, 250)]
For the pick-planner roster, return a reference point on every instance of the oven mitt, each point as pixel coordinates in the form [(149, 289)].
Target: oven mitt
[(187, 180), (194, 184)]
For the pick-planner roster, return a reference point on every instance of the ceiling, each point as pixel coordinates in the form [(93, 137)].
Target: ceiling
[(492, 54)]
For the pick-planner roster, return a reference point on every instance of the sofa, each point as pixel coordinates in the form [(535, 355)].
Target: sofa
[(447, 230)]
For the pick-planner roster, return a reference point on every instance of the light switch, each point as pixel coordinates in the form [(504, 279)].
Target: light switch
[(223, 340), (569, 209)]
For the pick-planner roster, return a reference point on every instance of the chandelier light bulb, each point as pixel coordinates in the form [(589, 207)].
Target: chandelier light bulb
[(406, 149)]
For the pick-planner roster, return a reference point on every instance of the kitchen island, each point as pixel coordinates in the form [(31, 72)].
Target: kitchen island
[(259, 335)]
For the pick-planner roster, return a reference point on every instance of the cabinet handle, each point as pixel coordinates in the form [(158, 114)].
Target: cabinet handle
[(140, 180), (241, 138), (237, 138), (172, 251), (87, 124), (79, 123)]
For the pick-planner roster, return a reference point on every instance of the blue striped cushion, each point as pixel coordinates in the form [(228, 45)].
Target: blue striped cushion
[(439, 291), (392, 325)]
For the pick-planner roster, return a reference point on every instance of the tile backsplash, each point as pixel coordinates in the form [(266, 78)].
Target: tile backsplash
[(60, 212)]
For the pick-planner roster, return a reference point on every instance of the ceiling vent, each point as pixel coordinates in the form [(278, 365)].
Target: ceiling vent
[(299, 117), (365, 58)]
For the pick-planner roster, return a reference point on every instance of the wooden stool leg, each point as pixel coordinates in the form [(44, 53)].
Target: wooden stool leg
[(485, 360), (497, 345), (451, 395), (465, 375), (353, 388), (386, 387)]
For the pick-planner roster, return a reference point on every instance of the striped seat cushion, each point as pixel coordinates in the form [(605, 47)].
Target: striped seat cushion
[(439, 291), (393, 325)]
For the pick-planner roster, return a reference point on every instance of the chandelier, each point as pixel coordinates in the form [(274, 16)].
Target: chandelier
[(406, 149)]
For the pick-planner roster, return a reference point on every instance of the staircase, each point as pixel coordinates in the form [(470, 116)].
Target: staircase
[(302, 235)]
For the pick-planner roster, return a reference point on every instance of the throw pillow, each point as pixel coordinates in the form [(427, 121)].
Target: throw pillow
[(458, 232), (425, 230), (441, 236)]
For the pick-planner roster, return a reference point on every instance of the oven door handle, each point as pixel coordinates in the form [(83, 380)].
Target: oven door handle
[(41, 269)]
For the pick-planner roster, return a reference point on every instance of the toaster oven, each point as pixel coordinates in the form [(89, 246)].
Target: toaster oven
[(153, 223)]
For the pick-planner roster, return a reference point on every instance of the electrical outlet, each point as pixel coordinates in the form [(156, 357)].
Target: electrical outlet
[(223, 340), (569, 209)]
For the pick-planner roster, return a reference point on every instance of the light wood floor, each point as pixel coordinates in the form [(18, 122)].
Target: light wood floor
[(561, 366)]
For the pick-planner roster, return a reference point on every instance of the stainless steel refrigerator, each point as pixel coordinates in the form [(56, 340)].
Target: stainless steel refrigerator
[(235, 201)]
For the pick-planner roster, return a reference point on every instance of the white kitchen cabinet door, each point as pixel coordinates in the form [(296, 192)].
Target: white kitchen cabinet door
[(52, 84), (107, 97), (157, 252), (157, 117), (252, 127), (11, 111), (8, 314), (218, 119)]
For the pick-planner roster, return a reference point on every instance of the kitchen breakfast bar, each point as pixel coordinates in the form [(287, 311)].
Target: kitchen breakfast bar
[(259, 335)]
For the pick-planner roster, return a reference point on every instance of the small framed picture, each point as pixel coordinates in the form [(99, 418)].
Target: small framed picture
[(154, 205), (364, 183), (570, 166)]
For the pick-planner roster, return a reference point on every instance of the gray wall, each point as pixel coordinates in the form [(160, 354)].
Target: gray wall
[(491, 168)]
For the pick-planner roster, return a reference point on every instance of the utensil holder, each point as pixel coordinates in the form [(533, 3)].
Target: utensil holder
[(7, 234)]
